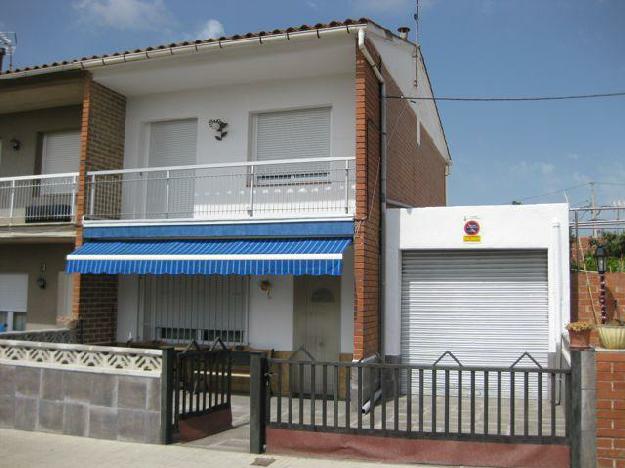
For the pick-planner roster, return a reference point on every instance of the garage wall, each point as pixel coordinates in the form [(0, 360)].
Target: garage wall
[(502, 227)]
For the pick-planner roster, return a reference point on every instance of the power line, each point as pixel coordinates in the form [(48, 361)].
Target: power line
[(511, 98)]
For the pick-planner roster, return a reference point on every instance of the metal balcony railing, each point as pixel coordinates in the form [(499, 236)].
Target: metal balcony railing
[(49, 198), (293, 188)]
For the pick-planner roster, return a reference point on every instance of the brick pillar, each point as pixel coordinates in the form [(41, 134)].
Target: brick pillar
[(610, 404), (367, 230), (102, 147)]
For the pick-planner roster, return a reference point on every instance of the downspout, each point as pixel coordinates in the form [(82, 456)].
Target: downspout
[(383, 158)]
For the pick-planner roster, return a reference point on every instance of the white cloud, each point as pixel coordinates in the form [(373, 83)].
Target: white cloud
[(125, 14), (212, 29), (381, 6)]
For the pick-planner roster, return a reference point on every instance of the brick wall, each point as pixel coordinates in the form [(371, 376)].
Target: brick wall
[(415, 172), (610, 404), (415, 176), (367, 231), (102, 147), (585, 294)]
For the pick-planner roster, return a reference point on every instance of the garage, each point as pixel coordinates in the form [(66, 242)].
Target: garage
[(486, 306), (487, 283)]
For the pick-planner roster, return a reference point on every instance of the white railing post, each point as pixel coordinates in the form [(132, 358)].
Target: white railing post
[(346, 186), (73, 201), (251, 208), (11, 206), (167, 173), (92, 197)]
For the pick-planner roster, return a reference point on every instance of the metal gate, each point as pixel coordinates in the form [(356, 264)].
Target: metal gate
[(199, 391)]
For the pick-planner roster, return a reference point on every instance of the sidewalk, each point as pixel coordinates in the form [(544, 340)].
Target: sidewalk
[(21, 449)]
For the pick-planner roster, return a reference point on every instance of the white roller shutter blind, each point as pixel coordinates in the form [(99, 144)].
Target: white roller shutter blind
[(13, 292), (61, 152), (303, 133), (487, 307), (173, 143)]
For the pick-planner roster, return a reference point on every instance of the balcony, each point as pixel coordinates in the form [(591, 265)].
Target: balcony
[(278, 189), (38, 199)]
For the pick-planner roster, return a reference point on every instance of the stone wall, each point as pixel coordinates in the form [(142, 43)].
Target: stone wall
[(103, 406), (90, 391)]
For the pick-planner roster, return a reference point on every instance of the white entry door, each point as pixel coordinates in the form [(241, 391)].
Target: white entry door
[(317, 302)]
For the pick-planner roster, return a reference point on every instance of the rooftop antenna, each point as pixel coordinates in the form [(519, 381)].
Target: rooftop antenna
[(8, 43), (418, 45)]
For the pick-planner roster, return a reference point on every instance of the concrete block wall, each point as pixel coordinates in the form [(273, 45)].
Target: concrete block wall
[(98, 405)]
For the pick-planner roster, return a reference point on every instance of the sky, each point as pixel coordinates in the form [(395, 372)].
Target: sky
[(501, 151)]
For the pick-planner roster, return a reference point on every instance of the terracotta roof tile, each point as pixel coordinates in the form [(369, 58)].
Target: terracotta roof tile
[(303, 27)]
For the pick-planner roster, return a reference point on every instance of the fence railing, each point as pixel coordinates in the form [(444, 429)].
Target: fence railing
[(199, 383), (49, 198), (506, 404), (260, 189)]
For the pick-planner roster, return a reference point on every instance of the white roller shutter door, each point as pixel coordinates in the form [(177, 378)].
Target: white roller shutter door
[(487, 307)]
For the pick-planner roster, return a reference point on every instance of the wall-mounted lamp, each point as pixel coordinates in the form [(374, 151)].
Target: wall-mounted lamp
[(265, 286), (220, 127), (15, 144), (41, 280)]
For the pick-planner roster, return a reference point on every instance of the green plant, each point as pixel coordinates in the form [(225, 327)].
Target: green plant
[(614, 244), (579, 326)]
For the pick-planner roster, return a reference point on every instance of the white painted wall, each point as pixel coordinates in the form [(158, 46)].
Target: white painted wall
[(127, 307), (271, 316), (347, 302), (502, 227), (235, 105)]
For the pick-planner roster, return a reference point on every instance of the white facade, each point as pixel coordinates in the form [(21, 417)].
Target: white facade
[(525, 227)]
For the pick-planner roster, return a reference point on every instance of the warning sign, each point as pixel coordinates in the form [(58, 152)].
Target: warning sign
[(472, 231)]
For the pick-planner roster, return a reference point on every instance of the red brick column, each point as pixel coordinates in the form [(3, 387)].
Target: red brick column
[(367, 230), (102, 147), (610, 393)]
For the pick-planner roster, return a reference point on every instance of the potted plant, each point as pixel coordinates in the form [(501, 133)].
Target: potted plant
[(579, 334), (612, 335)]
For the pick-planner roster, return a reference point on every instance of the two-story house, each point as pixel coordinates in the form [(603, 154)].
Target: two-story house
[(231, 188)]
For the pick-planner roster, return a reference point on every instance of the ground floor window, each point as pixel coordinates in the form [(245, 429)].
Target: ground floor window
[(13, 301), (181, 309)]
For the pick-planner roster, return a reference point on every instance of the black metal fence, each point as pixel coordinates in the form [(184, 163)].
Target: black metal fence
[(198, 383), (457, 402)]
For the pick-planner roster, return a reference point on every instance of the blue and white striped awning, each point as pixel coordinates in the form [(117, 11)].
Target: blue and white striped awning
[(211, 257)]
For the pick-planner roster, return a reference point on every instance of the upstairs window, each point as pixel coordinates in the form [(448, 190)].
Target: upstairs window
[(294, 134), (60, 152)]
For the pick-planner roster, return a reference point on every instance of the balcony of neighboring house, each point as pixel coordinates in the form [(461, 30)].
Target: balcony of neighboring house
[(40, 126)]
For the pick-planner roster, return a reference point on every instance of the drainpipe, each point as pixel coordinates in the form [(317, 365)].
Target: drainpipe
[(383, 157)]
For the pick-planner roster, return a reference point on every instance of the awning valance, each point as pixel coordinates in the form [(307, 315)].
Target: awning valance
[(323, 256)]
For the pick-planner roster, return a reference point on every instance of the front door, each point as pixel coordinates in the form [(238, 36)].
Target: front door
[(317, 303)]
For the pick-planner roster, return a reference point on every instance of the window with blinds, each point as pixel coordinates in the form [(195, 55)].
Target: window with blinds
[(171, 143), (293, 134), (60, 155), (181, 309), (61, 152), (13, 301)]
